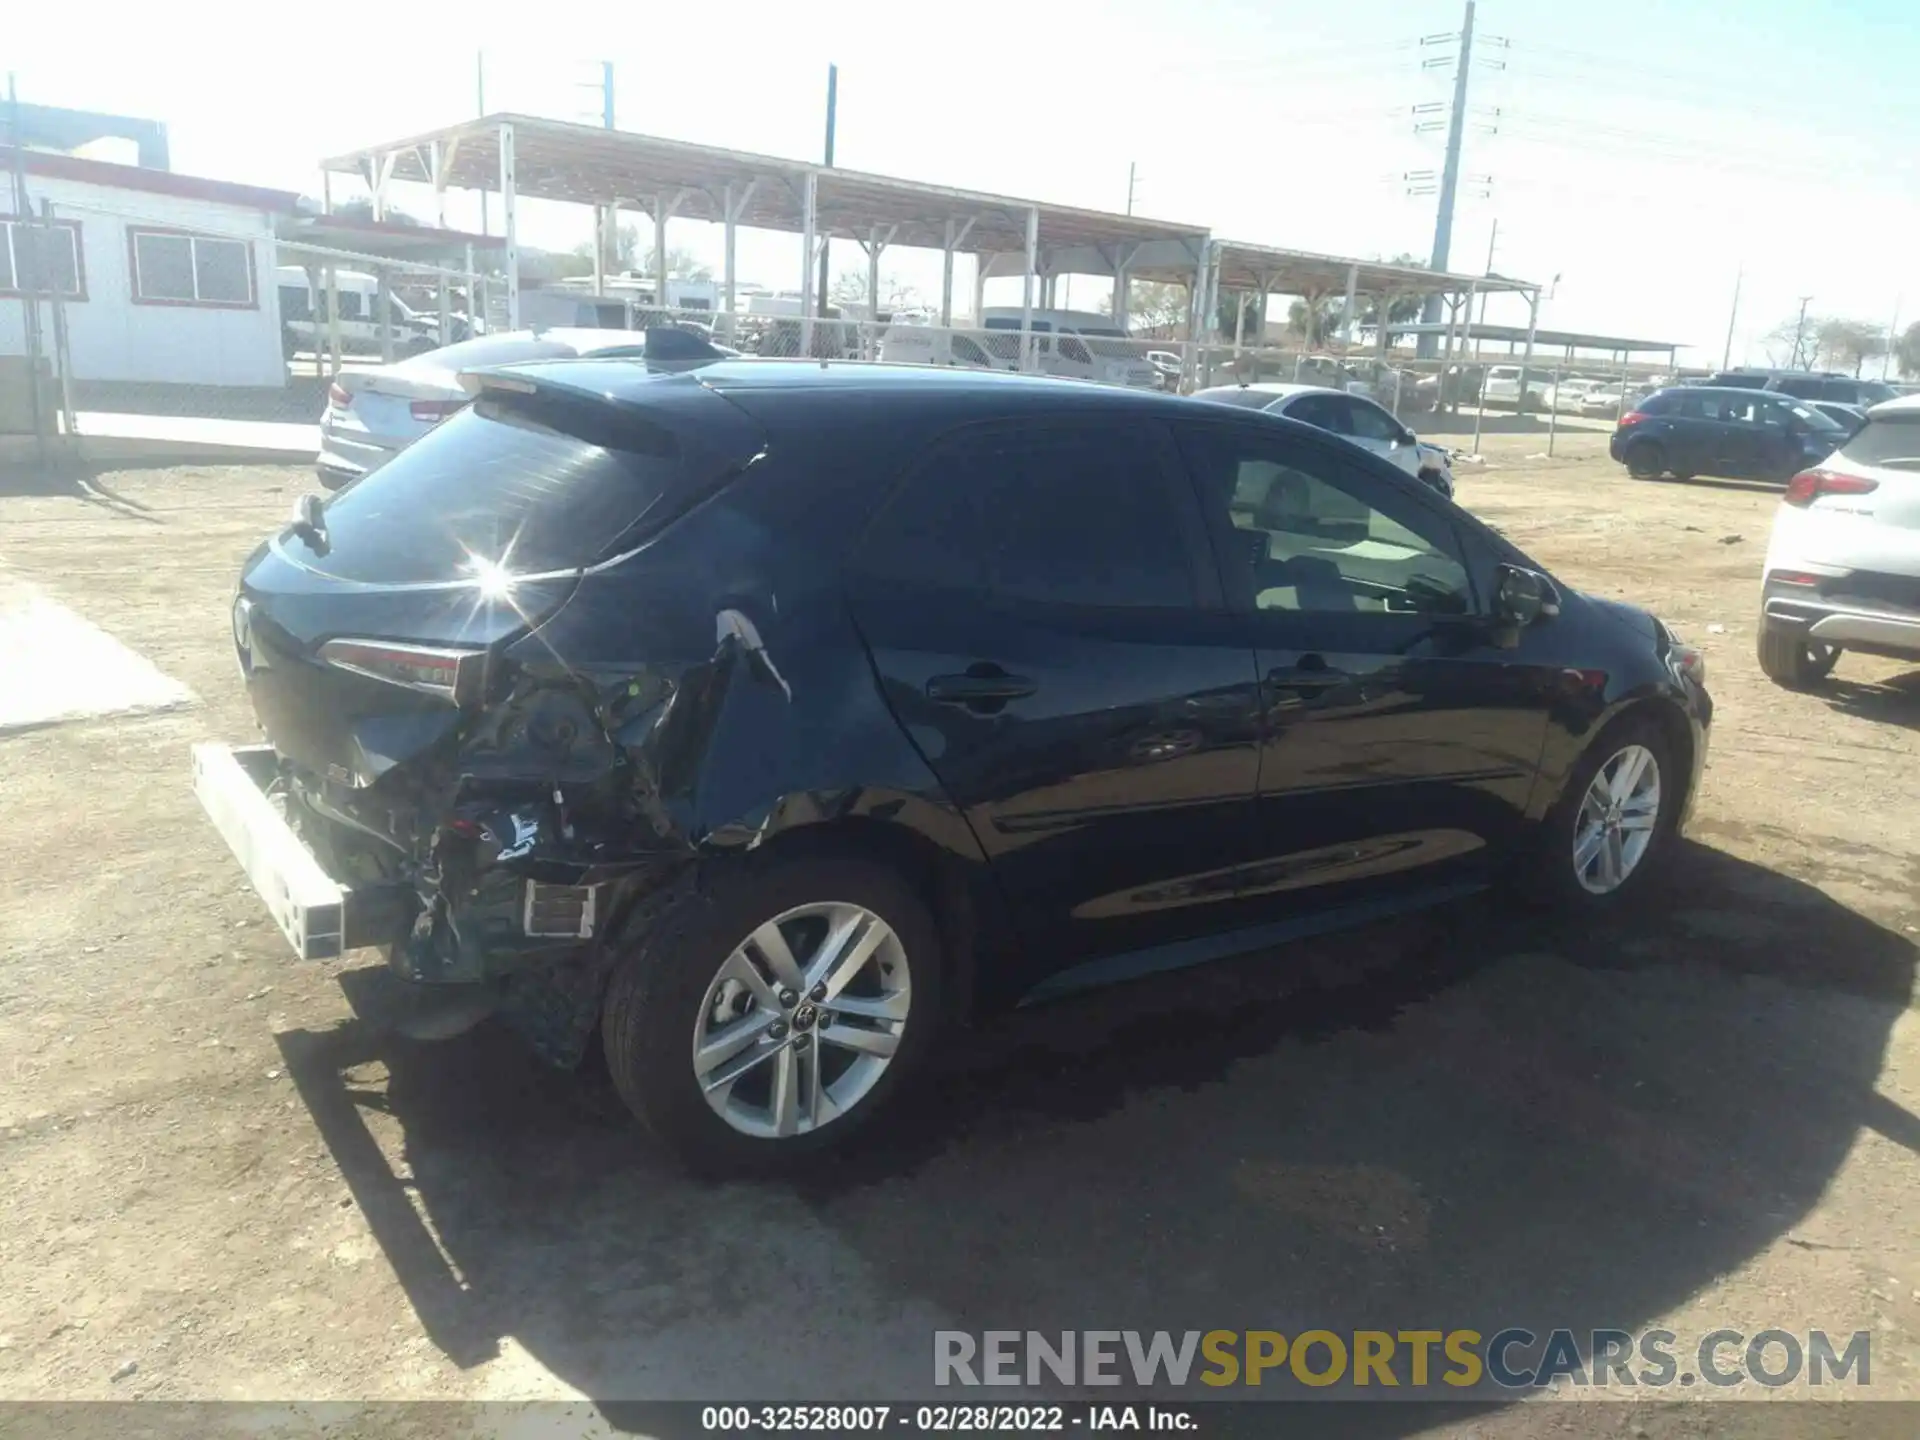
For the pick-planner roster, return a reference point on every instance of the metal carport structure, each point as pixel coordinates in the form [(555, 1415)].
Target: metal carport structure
[(519, 155), (1620, 349)]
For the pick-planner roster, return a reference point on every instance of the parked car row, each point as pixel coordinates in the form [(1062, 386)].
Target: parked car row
[(1806, 385), (305, 323), (1842, 568), (372, 415), (1063, 684)]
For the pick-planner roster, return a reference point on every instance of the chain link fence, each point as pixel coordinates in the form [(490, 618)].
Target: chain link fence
[(128, 312)]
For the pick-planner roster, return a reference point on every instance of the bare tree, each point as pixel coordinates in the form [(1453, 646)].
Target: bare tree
[(1153, 305), (850, 288), (1847, 344), (361, 208), (1906, 354), (628, 256)]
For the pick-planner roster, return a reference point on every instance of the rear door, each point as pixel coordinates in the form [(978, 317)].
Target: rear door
[(1779, 427), (1399, 745), (1045, 620)]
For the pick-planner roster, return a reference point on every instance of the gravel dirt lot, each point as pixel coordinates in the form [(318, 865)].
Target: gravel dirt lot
[(219, 1166)]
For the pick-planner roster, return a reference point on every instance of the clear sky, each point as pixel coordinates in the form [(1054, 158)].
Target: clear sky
[(1642, 150)]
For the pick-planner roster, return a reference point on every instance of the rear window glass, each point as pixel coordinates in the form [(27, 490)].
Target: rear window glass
[(1890, 441), (530, 483), (1251, 399)]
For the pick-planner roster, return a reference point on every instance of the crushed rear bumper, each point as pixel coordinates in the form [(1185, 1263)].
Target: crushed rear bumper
[(320, 917)]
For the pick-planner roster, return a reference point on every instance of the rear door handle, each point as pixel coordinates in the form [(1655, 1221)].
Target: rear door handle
[(979, 688)]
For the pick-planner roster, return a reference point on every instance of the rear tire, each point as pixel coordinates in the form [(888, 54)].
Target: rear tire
[(681, 989), (1646, 460), (1791, 660)]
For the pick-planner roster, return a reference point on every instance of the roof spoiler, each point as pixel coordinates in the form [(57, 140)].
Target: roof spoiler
[(671, 342)]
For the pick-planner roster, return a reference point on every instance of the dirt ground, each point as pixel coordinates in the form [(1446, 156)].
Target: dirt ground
[(217, 1167)]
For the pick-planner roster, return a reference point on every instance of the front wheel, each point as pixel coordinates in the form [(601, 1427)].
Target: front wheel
[(1789, 658), (1615, 816), (775, 1013)]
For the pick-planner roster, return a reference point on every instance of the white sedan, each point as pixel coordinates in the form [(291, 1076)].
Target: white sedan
[(373, 415), (1352, 417), (1570, 393)]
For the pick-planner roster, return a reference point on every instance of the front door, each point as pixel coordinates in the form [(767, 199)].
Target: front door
[(1399, 744), (1046, 622)]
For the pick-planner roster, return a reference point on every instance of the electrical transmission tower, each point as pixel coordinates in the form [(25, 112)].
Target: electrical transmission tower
[(1449, 179)]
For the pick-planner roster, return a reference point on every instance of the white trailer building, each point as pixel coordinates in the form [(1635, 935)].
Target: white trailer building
[(162, 278)]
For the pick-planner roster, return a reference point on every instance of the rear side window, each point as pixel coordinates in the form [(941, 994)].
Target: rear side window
[(1802, 388), (531, 483), (1056, 514), (1889, 441)]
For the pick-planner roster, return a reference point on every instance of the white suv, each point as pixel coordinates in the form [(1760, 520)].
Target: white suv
[(1843, 566)]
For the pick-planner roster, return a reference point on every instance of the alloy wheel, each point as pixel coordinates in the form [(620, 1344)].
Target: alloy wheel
[(1617, 818), (802, 1020)]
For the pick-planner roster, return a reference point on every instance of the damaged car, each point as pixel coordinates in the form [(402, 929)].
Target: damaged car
[(756, 723)]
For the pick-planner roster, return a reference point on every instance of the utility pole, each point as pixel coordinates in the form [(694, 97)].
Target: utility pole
[(1893, 338), (608, 240), (1799, 329), (1132, 165), (1726, 356), (833, 97), (480, 103), (1492, 240), (29, 305), (1449, 177)]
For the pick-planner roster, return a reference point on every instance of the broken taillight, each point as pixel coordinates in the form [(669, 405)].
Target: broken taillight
[(451, 674)]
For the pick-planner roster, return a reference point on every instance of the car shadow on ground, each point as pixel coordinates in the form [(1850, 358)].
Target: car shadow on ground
[(1893, 701), (1474, 1118), (78, 480)]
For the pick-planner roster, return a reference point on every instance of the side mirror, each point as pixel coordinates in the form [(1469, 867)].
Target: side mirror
[(1524, 597)]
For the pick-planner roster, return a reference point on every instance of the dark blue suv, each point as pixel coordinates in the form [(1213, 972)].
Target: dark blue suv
[(1737, 433)]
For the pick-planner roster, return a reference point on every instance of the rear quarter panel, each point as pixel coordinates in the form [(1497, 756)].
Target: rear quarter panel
[(771, 720)]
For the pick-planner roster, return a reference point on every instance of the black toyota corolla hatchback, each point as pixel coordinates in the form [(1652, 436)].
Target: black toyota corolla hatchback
[(760, 721)]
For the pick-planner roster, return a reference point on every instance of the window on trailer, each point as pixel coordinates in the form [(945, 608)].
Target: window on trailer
[(41, 258), (170, 268)]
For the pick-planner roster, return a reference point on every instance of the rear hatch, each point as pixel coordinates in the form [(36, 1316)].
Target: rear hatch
[(362, 640), (1862, 503)]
